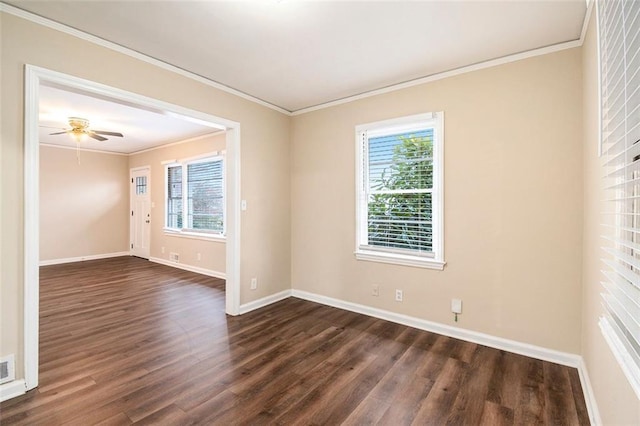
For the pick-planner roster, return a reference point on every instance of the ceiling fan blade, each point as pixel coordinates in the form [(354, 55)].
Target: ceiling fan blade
[(102, 132), (96, 137), (59, 133)]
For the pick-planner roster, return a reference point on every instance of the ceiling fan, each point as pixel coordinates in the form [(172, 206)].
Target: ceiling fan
[(80, 127)]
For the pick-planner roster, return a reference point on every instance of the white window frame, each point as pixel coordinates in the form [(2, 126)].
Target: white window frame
[(185, 231), (620, 320), (433, 120)]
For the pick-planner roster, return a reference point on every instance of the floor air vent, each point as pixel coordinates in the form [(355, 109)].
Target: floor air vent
[(7, 369)]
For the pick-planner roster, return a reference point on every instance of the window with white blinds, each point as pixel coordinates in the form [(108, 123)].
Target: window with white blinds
[(399, 217), (195, 196), (619, 38)]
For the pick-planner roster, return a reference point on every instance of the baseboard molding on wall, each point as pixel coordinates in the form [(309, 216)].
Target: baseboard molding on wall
[(533, 351), (589, 397), (12, 389), (190, 268), (83, 258), (265, 301)]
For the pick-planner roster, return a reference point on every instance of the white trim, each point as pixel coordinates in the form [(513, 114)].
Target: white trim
[(31, 315), (132, 53), (446, 74), (265, 301), (100, 151), (34, 77), (97, 151), (232, 217), (395, 259), (82, 258), (218, 238), (585, 23), (180, 142), (12, 389), (364, 132), (427, 79), (628, 366), (190, 268), (589, 396), (533, 351), (184, 164)]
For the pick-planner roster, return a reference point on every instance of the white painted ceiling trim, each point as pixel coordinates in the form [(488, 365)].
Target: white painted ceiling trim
[(129, 52), (193, 139), (438, 76), (463, 70), (125, 154), (446, 74), (97, 151)]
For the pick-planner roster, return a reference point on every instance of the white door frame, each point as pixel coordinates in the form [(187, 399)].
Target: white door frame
[(34, 77), (132, 195)]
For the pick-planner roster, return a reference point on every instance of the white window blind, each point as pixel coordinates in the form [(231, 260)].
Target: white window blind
[(399, 208), (398, 183), (195, 196), (205, 196), (619, 37), (174, 197)]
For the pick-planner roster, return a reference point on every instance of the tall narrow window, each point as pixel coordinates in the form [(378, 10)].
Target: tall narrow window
[(195, 196), (174, 197), (205, 196), (619, 36), (399, 217)]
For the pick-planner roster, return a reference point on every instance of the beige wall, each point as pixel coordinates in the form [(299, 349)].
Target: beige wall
[(83, 207), (617, 402), (265, 241), (213, 253), (513, 202)]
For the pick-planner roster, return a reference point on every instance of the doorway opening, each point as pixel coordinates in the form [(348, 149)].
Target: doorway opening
[(35, 79)]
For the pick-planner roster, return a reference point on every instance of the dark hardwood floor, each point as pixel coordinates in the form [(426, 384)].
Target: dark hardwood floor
[(127, 341)]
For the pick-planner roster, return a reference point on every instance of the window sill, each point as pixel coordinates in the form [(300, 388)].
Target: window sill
[(195, 235), (418, 262)]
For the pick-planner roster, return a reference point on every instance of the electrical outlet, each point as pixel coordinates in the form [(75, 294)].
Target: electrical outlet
[(399, 295), (199, 256), (375, 291), (456, 306), (174, 257), (254, 283), (162, 250)]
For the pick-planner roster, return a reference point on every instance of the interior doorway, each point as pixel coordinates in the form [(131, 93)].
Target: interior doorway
[(140, 219), (35, 78)]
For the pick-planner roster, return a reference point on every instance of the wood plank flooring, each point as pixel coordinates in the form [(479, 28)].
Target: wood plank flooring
[(127, 341)]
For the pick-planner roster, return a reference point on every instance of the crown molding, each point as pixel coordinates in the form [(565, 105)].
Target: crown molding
[(134, 54), (392, 88)]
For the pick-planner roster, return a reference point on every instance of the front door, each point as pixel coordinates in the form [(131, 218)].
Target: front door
[(140, 213)]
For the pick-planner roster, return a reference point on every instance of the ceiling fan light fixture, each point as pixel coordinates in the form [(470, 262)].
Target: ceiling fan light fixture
[(78, 135)]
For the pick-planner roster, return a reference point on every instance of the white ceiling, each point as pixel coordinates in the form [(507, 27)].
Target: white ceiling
[(142, 128), (296, 54)]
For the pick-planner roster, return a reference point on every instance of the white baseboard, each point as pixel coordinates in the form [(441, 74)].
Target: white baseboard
[(190, 268), (12, 389), (589, 397), (533, 351), (260, 303), (82, 258)]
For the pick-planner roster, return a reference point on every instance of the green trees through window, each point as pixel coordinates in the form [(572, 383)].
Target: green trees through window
[(400, 203)]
